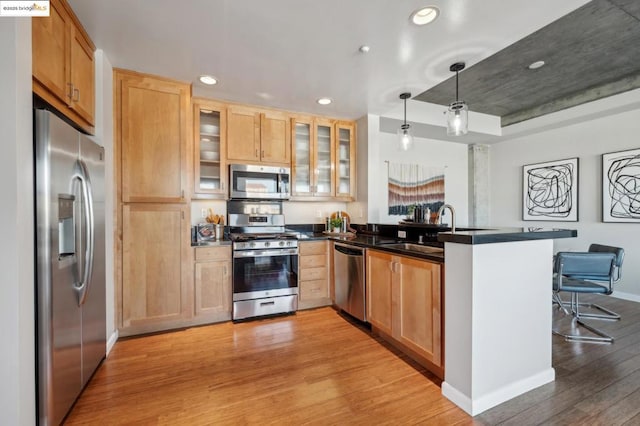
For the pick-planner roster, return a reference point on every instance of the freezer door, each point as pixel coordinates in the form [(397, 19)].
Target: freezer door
[(94, 305), (59, 316)]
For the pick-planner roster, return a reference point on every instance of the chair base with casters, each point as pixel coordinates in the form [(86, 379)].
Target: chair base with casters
[(591, 272)]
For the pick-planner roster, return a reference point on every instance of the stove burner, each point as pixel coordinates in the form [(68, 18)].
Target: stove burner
[(263, 236)]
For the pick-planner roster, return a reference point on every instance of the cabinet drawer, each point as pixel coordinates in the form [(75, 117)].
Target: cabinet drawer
[(213, 253), (314, 289), (313, 261), (310, 274), (316, 247)]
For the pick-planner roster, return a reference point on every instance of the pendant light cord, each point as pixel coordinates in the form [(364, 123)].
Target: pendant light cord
[(405, 111), (456, 86)]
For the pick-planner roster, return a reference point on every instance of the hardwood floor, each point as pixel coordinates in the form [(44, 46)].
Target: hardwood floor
[(318, 368), (312, 368)]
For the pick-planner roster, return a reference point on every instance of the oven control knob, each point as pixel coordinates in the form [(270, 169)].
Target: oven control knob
[(252, 244), (267, 244), (288, 243), (281, 243)]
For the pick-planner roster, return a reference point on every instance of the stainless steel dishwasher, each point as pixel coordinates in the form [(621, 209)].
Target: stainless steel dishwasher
[(349, 277)]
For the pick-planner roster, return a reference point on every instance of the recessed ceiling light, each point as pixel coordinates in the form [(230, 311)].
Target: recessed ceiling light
[(536, 65), (324, 101), (364, 49), (208, 79), (425, 16)]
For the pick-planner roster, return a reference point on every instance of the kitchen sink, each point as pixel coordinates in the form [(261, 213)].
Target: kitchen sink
[(416, 247)]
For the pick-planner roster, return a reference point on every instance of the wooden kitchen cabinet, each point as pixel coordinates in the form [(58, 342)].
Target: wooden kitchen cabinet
[(209, 137), (313, 158), (404, 299), (63, 64), (255, 136), (379, 299), (151, 129), (212, 284), (156, 289), (345, 168), (313, 274)]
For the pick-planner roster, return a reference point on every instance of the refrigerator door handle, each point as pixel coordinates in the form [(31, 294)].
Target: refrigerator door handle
[(87, 197)]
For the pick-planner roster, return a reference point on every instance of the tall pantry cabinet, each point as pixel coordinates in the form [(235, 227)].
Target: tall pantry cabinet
[(154, 286)]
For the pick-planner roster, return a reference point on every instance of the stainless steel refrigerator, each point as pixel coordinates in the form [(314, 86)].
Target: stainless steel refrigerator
[(70, 263)]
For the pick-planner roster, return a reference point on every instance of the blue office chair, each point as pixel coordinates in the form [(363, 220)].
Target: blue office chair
[(592, 272)]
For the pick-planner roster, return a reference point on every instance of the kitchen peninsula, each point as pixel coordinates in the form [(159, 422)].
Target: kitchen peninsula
[(497, 314)]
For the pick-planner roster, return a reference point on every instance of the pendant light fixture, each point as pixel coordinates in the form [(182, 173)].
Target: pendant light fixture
[(405, 138), (458, 112)]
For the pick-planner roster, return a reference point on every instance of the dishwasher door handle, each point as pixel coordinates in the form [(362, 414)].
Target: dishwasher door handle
[(348, 250)]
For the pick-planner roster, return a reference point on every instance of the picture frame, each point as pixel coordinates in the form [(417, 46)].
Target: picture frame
[(621, 186), (550, 191)]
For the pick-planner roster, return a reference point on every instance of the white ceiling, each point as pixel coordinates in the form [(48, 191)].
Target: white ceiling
[(288, 53)]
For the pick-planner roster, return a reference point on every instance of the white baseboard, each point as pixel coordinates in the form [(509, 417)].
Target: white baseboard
[(498, 396), (112, 341), (626, 296)]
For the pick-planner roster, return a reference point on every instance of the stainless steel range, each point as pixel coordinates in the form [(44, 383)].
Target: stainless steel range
[(265, 260)]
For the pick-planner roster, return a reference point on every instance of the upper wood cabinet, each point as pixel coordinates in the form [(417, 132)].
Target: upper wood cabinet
[(404, 301), (313, 158), (345, 161), (209, 138), (63, 64), (152, 116), (255, 136)]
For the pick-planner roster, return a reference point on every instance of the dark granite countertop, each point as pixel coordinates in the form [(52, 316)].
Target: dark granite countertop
[(212, 243), (503, 235), (377, 242)]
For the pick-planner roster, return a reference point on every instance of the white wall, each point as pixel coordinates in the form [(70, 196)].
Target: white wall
[(17, 357), (588, 141), (427, 152), (104, 137)]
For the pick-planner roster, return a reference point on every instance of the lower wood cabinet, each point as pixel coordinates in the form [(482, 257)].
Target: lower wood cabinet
[(313, 274), (156, 291), (212, 284), (404, 303)]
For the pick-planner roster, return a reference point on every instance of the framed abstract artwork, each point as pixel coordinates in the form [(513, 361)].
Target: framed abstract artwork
[(621, 186), (550, 191)]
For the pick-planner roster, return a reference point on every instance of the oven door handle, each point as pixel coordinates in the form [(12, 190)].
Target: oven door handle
[(265, 253)]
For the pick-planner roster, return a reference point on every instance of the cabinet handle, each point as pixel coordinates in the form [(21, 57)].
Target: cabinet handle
[(257, 153), (224, 270), (182, 214), (76, 91), (263, 153), (70, 94)]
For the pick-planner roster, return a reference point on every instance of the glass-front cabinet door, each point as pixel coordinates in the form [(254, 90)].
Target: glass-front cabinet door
[(302, 169), (209, 143), (345, 161), (324, 158), (313, 158)]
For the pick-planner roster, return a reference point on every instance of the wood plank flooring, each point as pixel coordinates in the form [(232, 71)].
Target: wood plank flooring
[(319, 368), (312, 368)]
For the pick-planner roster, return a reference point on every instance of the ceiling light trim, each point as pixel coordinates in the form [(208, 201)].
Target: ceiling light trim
[(208, 79), (424, 15)]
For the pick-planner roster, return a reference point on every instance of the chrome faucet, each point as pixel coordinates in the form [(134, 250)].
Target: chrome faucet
[(453, 215)]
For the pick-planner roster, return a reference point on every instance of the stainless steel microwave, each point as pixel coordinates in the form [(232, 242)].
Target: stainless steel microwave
[(249, 182)]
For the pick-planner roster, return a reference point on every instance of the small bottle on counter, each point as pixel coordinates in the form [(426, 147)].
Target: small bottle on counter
[(327, 224)]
